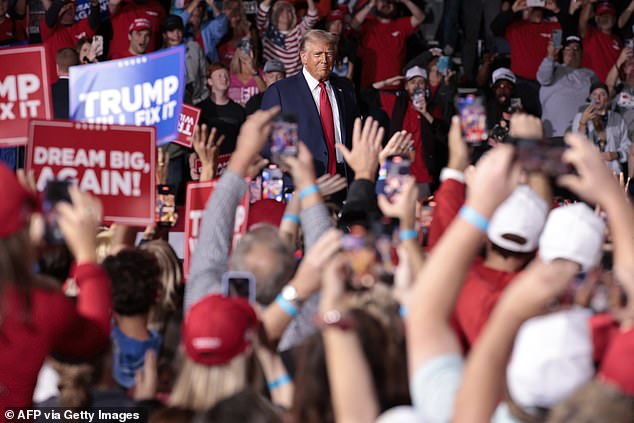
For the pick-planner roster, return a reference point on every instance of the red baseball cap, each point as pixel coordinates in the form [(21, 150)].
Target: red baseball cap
[(605, 7), (617, 368), (17, 203), (140, 24), (266, 211), (218, 328)]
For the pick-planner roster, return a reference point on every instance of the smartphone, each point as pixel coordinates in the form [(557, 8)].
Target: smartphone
[(361, 255), (394, 172), (473, 119), (541, 156), (417, 96), (239, 284), (165, 207), (556, 37), (535, 3), (444, 62), (272, 183), (629, 43), (245, 46), (250, 7), (55, 191), (284, 137), (515, 104), (97, 45)]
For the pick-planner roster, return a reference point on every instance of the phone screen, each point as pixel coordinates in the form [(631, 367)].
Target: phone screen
[(272, 184), (556, 37), (394, 171), (239, 284), (473, 119), (165, 207), (54, 192), (284, 136), (255, 189), (443, 63)]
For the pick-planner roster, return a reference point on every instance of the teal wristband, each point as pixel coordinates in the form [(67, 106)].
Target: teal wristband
[(280, 381), (288, 307), (292, 218), (407, 234), (309, 190), (403, 311), (472, 216)]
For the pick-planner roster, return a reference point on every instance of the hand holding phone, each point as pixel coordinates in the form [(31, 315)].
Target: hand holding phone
[(166, 207), (56, 191), (556, 38), (473, 119), (284, 137)]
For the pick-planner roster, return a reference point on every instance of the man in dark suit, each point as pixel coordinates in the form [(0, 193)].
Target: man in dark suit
[(325, 105), (64, 59)]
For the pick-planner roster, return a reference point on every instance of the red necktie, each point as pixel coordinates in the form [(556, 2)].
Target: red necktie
[(328, 125)]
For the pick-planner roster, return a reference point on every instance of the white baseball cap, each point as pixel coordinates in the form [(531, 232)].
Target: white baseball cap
[(415, 71), (573, 232), (552, 357), (522, 214), (503, 74)]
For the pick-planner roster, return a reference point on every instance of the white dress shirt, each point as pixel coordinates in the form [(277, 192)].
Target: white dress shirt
[(313, 85)]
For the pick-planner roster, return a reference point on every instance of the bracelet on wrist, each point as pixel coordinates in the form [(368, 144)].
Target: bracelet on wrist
[(288, 307), (407, 234), (309, 190), (474, 218), (285, 379), (292, 217)]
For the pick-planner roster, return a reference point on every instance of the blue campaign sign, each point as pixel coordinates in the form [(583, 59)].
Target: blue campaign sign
[(82, 10), (142, 90)]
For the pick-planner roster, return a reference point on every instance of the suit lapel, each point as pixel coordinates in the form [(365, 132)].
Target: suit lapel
[(304, 91)]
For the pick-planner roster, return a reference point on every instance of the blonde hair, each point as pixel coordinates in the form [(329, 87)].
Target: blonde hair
[(198, 387), (171, 273)]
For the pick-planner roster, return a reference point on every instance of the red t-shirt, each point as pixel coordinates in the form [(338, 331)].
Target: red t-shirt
[(127, 12), (600, 51), (411, 124), (225, 52), (528, 42), (449, 197), (617, 368), (478, 297), (12, 29), (382, 48), (54, 323), (121, 55), (60, 37)]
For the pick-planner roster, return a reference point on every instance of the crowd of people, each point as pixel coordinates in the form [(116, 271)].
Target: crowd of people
[(489, 281)]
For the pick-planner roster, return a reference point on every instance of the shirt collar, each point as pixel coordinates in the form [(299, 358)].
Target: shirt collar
[(312, 82)]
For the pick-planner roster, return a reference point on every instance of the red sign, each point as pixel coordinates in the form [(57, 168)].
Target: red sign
[(223, 162), (116, 163), (186, 124), (197, 196), (24, 92)]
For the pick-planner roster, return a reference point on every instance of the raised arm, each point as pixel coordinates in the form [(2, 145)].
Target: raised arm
[(113, 7), (546, 71), (584, 17), (358, 19), (613, 76), (531, 292), (626, 15), (418, 16), (210, 259)]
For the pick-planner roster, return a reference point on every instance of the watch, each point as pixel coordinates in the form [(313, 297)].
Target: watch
[(289, 293)]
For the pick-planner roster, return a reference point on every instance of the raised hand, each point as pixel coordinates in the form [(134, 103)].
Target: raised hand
[(162, 167), (79, 222), (330, 184), (207, 148), (253, 136), (366, 146), (400, 143), (404, 207)]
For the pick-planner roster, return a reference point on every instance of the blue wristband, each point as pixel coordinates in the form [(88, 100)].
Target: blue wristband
[(309, 190), (288, 307), (403, 311), (474, 218), (280, 381), (407, 234), (292, 218)]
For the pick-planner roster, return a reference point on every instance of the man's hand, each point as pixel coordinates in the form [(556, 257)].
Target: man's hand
[(525, 126), (301, 167), (594, 181), (552, 6), (519, 5), (588, 114), (404, 207), (458, 150), (395, 80), (552, 52), (253, 135), (625, 55), (400, 143), (366, 145), (207, 148), (494, 179), (330, 184)]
